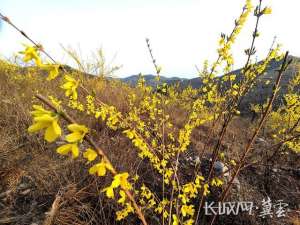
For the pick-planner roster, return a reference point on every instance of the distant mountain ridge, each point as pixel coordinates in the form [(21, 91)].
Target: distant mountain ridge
[(196, 82), (150, 79), (257, 95)]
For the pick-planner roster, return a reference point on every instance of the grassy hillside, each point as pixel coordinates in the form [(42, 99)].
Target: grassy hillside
[(81, 149)]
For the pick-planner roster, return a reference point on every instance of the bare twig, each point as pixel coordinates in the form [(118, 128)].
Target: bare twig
[(157, 68)]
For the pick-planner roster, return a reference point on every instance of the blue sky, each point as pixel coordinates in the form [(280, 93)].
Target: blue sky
[(183, 33)]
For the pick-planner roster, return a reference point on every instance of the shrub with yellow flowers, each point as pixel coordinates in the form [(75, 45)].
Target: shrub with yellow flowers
[(151, 127)]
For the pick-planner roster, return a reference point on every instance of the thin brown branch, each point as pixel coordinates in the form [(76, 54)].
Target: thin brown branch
[(69, 119)]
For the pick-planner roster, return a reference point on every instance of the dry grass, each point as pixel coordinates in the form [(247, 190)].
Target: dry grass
[(39, 186)]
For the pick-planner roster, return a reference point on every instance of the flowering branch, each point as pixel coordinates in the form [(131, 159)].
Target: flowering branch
[(69, 119)]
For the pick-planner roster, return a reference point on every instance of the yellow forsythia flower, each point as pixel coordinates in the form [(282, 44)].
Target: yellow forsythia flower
[(235, 93), (235, 86), (100, 168), (187, 210), (135, 178), (109, 192), (65, 149), (44, 119), (52, 69), (222, 155), (123, 197), (198, 180), (70, 86), (175, 220), (120, 180), (90, 154), (55, 101), (130, 133), (267, 10), (124, 213), (31, 53), (219, 182), (216, 182), (232, 162), (206, 190), (232, 77), (189, 222), (78, 133), (39, 111)]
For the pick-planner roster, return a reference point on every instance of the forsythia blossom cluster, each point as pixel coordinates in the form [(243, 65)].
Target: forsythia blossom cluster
[(31, 53), (44, 119)]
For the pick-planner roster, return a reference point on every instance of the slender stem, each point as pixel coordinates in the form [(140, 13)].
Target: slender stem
[(230, 107), (254, 36), (7, 20), (226, 121), (157, 69)]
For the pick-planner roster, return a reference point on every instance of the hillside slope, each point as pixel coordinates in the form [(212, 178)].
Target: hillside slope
[(37, 185)]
